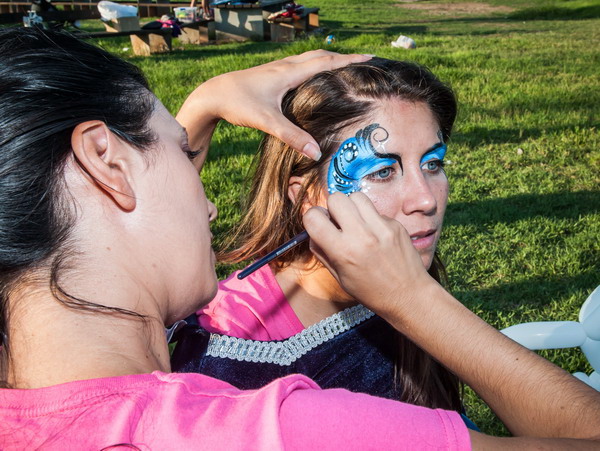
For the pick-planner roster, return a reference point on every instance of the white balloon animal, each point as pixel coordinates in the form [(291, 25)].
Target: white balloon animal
[(567, 334)]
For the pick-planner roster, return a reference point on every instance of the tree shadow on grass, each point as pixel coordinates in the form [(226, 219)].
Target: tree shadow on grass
[(478, 136), (535, 292), (392, 30), (557, 13), (560, 205), (537, 13), (539, 290), (432, 27), (428, 24)]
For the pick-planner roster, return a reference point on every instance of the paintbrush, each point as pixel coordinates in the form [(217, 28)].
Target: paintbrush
[(285, 247)]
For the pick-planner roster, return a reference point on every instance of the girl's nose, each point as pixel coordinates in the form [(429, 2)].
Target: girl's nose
[(418, 195)]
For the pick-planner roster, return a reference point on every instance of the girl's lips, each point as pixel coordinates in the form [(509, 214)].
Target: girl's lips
[(423, 240)]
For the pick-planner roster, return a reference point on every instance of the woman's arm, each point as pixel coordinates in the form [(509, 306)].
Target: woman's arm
[(252, 98), (374, 260)]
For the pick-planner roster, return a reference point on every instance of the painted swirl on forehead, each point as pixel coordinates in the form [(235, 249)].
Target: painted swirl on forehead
[(358, 157)]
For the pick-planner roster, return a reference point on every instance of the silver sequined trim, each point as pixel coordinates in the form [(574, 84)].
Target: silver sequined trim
[(287, 351)]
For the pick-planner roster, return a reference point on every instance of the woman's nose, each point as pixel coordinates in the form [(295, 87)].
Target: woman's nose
[(212, 211), (419, 196)]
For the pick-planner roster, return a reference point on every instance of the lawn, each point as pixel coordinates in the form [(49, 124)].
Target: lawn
[(522, 228)]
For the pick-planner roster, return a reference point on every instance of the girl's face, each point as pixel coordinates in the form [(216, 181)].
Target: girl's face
[(396, 157)]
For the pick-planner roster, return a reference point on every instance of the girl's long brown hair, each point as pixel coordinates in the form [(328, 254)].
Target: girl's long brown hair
[(323, 106)]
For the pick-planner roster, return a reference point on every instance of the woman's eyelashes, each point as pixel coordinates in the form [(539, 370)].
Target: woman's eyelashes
[(191, 154)]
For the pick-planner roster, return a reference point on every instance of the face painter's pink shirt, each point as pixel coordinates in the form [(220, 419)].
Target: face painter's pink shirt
[(161, 411)]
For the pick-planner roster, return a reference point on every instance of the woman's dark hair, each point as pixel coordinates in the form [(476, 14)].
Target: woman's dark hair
[(324, 106), (49, 83)]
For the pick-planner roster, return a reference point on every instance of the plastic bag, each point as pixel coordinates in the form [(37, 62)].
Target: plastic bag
[(404, 42), (113, 11)]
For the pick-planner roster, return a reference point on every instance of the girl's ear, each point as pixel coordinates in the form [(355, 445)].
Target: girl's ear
[(106, 159), (295, 185)]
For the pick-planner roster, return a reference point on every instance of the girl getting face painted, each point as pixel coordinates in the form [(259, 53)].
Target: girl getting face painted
[(379, 122), (397, 161)]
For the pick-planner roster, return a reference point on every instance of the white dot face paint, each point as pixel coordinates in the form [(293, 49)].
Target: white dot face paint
[(396, 159)]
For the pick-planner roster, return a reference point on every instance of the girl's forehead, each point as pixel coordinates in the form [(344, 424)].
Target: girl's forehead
[(392, 137), (403, 121)]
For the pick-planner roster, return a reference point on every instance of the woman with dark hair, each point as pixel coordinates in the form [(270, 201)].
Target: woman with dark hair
[(104, 240), (395, 107)]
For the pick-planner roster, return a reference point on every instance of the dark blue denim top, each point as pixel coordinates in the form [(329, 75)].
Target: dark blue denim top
[(353, 349)]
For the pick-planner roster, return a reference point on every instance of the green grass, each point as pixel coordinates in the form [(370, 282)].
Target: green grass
[(521, 235)]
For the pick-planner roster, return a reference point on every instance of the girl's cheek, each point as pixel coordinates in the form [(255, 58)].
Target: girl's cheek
[(385, 205)]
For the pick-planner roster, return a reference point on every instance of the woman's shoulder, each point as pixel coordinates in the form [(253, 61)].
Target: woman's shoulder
[(253, 308), (166, 411), (155, 408)]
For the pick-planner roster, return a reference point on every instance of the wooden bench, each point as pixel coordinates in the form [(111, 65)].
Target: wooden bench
[(51, 16), (19, 8), (245, 21), (143, 42), (199, 32)]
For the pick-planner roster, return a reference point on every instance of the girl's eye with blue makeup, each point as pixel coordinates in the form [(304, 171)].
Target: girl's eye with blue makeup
[(381, 175), (433, 165), (433, 160)]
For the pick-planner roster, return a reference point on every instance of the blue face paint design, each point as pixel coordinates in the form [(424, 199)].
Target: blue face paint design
[(356, 158), (435, 154)]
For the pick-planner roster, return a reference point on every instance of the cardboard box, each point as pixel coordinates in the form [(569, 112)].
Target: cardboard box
[(123, 24)]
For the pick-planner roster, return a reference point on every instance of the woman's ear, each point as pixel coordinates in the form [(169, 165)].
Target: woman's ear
[(106, 159)]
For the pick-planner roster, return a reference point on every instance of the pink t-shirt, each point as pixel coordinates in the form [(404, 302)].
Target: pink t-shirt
[(254, 308), (191, 411)]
